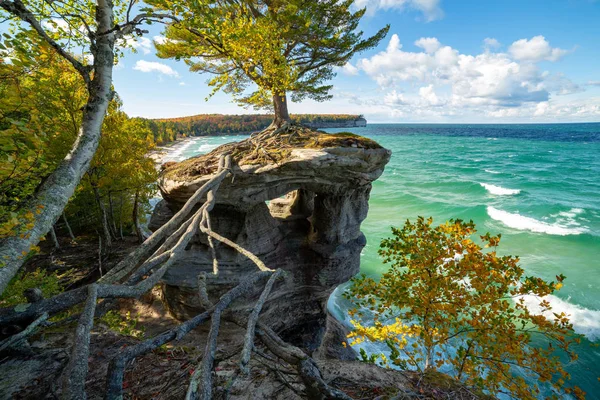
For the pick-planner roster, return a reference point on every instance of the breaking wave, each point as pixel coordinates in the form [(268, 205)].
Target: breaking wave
[(522, 223), (499, 190)]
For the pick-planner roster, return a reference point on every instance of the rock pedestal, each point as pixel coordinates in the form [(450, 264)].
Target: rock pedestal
[(302, 215)]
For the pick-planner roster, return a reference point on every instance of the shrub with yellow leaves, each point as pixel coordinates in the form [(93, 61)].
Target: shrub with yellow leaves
[(450, 304)]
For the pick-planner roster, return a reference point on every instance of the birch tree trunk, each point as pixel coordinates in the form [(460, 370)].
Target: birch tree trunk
[(49, 202), (135, 217)]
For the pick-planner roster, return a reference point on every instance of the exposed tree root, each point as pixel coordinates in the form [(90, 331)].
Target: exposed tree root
[(17, 339), (73, 376), (252, 321)]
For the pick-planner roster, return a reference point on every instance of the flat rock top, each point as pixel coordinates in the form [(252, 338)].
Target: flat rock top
[(296, 158)]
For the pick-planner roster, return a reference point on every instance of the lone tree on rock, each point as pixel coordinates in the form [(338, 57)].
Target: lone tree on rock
[(280, 46)]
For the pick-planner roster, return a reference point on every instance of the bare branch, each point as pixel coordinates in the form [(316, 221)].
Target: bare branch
[(75, 372), (253, 319), (19, 337)]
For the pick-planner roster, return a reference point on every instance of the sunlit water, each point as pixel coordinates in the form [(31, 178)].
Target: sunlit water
[(538, 185)]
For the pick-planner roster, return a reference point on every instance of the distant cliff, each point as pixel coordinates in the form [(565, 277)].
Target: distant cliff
[(356, 123), (168, 129)]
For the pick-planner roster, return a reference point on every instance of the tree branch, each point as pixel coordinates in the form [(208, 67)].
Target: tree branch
[(18, 9)]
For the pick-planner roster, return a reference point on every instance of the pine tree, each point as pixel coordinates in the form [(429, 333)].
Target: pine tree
[(282, 47)]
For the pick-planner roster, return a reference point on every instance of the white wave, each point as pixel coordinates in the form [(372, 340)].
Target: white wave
[(585, 321), (499, 190), (572, 213), (490, 171), (176, 153), (520, 222), (205, 148)]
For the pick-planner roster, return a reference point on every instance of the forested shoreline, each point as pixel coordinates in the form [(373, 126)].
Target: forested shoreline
[(166, 130)]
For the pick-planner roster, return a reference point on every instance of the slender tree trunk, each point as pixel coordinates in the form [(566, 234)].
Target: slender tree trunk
[(280, 106), (64, 217), (100, 254), (136, 223), (111, 216), (103, 217), (54, 193), (54, 238), (121, 216)]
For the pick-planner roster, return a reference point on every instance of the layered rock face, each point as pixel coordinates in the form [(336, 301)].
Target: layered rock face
[(302, 215)]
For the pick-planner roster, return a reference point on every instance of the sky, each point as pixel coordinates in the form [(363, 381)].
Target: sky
[(443, 61)]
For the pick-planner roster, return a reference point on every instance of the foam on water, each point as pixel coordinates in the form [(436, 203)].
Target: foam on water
[(523, 223), (205, 148), (585, 321), (490, 171), (176, 153), (499, 190)]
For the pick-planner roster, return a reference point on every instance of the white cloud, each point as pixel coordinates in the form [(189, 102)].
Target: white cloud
[(181, 83), (394, 99), (160, 39), (153, 66), (430, 45), (349, 69), (427, 93), (430, 9), (439, 83), (491, 43), (142, 44), (534, 50), (488, 78)]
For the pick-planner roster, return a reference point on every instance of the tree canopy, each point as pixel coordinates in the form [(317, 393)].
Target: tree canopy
[(446, 304), (283, 47)]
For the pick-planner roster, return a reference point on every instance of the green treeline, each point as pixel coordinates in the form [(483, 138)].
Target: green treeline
[(168, 129)]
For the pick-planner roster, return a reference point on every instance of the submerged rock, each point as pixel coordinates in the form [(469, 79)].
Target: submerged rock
[(301, 213)]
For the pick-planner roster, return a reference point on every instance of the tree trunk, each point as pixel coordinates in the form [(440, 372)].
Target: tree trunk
[(111, 216), (103, 217), (121, 216), (64, 217), (54, 238), (54, 193), (136, 224), (280, 106)]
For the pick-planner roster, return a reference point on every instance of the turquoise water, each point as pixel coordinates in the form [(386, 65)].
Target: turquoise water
[(538, 185)]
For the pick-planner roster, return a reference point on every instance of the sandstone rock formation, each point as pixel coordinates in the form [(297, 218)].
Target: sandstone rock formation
[(301, 213)]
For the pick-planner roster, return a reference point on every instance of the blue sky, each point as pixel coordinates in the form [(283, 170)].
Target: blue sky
[(442, 61)]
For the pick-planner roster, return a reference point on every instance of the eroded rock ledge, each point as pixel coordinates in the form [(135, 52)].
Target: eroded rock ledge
[(297, 205)]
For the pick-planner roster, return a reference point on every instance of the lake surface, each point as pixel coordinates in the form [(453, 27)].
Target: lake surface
[(538, 185)]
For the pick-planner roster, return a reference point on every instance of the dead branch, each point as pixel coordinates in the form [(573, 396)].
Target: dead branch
[(316, 387), (15, 340), (74, 374), (128, 264), (252, 320)]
